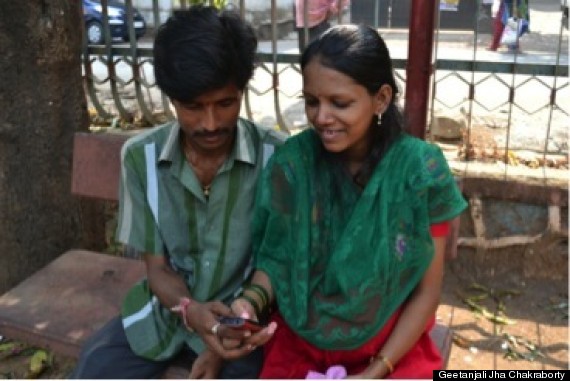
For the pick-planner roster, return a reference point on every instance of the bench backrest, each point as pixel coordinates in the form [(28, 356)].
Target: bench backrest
[(97, 164)]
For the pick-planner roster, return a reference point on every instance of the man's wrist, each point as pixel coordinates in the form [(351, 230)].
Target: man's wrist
[(182, 310)]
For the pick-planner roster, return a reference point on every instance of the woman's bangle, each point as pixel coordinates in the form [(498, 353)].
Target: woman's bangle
[(259, 291), (253, 303), (385, 360), (182, 309)]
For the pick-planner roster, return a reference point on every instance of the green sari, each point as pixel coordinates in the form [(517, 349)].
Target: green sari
[(341, 260)]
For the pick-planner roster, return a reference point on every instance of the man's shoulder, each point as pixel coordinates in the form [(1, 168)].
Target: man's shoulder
[(264, 135), (158, 135)]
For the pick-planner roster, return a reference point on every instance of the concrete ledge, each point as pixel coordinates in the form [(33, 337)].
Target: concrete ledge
[(515, 190)]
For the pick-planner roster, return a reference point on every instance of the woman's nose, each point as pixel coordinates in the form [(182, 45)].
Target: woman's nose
[(323, 115)]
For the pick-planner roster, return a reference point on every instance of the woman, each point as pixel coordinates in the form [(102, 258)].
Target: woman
[(342, 225), (501, 11)]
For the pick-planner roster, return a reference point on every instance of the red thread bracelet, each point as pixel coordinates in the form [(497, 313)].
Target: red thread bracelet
[(181, 309)]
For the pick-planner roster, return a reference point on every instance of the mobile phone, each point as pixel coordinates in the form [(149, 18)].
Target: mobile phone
[(241, 323)]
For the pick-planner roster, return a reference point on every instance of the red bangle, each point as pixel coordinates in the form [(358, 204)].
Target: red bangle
[(182, 309)]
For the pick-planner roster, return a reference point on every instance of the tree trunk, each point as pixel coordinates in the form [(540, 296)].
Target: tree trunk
[(42, 104)]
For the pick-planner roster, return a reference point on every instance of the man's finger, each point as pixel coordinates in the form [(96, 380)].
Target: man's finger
[(233, 354), (225, 332), (228, 354), (220, 309)]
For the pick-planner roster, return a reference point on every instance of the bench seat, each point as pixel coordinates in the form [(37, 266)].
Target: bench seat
[(62, 304)]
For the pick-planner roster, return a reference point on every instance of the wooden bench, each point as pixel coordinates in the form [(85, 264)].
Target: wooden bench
[(61, 305)]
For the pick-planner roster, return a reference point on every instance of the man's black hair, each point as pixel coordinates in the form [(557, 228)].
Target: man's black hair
[(201, 49)]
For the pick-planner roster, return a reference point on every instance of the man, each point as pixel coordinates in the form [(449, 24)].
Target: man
[(186, 198)]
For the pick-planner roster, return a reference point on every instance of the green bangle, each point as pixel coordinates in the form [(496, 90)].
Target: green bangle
[(261, 292), (252, 302)]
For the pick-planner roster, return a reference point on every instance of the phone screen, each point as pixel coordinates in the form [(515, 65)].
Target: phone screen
[(241, 323)]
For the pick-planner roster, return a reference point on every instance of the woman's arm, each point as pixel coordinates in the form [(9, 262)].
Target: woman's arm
[(418, 310), (245, 302), (243, 307)]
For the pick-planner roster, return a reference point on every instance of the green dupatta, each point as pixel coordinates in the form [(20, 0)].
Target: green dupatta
[(341, 260)]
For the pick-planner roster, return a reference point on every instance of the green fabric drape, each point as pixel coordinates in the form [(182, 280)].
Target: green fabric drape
[(342, 260)]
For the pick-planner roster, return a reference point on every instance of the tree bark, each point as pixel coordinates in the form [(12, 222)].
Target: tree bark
[(42, 104)]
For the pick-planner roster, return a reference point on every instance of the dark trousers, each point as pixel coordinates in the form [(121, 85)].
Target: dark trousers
[(107, 354)]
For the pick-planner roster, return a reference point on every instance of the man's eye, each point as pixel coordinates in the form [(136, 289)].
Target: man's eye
[(227, 103)]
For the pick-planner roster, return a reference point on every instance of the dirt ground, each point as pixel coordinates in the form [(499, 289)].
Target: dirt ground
[(535, 338), (535, 310)]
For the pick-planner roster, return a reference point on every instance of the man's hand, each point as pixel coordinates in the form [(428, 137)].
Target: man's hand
[(206, 366), (203, 317)]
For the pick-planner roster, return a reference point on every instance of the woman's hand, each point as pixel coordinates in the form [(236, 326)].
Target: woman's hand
[(206, 366), (243, 308), (376, 370)]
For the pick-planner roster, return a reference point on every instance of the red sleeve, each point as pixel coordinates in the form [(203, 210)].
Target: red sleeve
[(439, 230)]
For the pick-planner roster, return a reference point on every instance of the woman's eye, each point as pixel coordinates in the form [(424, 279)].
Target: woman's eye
[(311, 102), (341, 104)]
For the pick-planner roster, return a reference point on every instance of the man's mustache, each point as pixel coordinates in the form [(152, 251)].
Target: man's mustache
[(211, 134)]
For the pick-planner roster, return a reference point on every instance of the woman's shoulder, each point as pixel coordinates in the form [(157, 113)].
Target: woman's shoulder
[(418, 159), (415, 148), (303, 142)]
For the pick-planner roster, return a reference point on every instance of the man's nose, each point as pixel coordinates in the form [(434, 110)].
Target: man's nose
[(209, 119)]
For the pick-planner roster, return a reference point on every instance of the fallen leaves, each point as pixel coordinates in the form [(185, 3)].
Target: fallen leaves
[(498, 316), (491, 304), (28, 362)]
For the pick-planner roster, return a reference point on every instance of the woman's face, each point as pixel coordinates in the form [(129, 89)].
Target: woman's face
[(341, 110)]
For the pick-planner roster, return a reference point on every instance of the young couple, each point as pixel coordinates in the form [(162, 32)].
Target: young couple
[(338, 232)]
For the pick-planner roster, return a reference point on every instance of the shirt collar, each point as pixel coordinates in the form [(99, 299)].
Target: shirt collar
[(243, 149)]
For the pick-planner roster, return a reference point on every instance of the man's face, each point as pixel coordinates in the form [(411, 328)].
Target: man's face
[(209, 120)]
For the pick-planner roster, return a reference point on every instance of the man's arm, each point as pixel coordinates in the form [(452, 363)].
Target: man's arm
[(169, 288), (164, 282)]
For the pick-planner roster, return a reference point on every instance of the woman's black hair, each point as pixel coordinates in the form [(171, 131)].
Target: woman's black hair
[(359, 52), (201, 49)]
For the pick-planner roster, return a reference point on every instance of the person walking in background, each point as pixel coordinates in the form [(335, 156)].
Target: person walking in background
[(186, 197), (318, 14), (350, 225), (502, 11), (498, 26)]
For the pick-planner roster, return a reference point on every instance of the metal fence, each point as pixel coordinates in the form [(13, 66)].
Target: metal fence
[(497, 103)]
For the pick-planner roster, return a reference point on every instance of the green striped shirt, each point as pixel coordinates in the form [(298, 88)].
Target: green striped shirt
[(163, 211)]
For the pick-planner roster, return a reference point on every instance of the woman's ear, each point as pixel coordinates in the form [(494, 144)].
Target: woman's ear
[(383, 98)]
